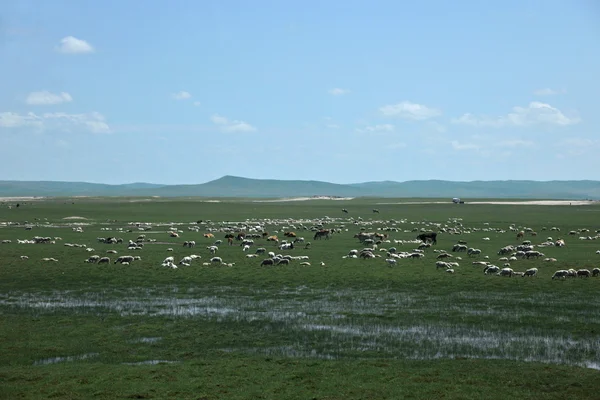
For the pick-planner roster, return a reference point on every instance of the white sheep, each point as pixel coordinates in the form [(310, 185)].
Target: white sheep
[(531, 272), (506, 272), (186, 261)]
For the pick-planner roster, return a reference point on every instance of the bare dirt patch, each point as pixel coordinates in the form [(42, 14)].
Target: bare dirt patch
[(20, 198), (513, 203), (303, 199), (540, 202)]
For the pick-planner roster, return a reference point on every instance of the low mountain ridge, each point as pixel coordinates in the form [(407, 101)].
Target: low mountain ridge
[(234, 186)]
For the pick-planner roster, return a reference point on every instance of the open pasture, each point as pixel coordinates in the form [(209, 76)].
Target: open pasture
[(338, 328)]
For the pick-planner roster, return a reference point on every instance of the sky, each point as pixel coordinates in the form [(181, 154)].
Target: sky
[(184, 92)]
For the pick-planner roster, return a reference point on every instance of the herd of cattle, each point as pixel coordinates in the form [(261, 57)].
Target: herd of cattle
[(260, 239)]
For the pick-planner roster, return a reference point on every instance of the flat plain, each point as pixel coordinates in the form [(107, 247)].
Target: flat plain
[(339, 328)]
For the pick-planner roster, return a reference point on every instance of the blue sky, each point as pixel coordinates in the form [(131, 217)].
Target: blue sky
[(188, 91)]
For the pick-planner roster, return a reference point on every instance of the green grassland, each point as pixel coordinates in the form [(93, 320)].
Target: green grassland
[(348, 329)]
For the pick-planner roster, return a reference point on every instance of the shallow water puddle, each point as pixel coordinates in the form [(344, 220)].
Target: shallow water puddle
[(151, 362), (347, 323), (55, 360)]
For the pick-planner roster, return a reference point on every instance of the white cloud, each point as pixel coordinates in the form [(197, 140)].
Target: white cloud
[(535, 113), (332, 126), (376, 128), (72, 45), (46, 98), (547, 92), (197, 103), (464, 146), (182, 95), (515, 143), (232, 126), (409, 110), (579, 142), (14, 120), (338, 91), (93, 122)]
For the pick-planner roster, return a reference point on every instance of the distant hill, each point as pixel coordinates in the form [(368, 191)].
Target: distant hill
[(233, 186)]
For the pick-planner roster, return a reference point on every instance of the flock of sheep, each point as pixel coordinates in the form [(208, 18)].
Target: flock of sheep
[(374, 237)]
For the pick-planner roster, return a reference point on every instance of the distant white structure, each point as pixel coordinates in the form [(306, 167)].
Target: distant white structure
[(456, 200)]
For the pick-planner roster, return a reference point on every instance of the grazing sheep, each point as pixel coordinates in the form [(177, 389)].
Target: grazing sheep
[(212, 249), (104, 260), (122, 259), (442, 264), (584, 273), (491, 269), (185, 260), (506, 272), (562, 273), (267, 261), (92, 259), (473, 252), (391, 261), (218, 260), (531, 272), (450, 270), (596, 272)]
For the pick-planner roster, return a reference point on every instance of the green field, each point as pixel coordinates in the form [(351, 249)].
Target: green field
[(348, 329)]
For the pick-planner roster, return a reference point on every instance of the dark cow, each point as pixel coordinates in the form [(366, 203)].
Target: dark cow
[(428, 237), (323, 233)]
